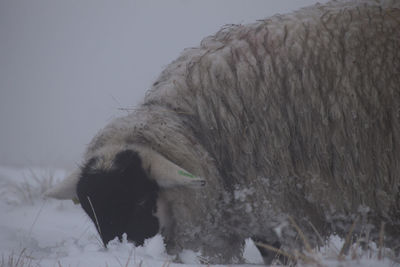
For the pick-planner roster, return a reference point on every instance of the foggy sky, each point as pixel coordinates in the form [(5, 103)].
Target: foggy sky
[(68, 67)]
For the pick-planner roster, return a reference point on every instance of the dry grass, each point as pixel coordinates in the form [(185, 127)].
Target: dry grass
[(30, 188), (347, 242), (21, 259)]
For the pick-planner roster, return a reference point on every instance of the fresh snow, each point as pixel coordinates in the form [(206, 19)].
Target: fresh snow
[(37, 231)]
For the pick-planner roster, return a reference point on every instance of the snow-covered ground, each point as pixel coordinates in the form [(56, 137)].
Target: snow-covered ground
[(35, 231)]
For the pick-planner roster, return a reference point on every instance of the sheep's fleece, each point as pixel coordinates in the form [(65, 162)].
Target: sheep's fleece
[(296, 116)]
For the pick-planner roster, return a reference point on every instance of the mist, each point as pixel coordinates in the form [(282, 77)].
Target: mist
[(67, 68)]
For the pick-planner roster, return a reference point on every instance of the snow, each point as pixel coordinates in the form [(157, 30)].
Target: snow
[(37, 231)]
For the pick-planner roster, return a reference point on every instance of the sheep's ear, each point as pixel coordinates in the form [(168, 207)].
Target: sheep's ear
[(66, 189), (167, 173)]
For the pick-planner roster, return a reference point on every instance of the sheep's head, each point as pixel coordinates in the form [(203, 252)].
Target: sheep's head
[(121, 199), (118, 188)]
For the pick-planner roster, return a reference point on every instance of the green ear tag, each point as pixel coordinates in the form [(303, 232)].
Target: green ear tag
[(186, 174)]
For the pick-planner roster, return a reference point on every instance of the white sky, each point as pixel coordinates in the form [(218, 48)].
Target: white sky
[(66, 67)]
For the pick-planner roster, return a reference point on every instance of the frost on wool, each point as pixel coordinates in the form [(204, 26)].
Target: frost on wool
[(296, 115)]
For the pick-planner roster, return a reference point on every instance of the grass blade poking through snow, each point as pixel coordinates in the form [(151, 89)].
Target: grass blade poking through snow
[(95, 216)]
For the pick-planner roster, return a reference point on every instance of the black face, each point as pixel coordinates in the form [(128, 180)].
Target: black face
[(120, 200)]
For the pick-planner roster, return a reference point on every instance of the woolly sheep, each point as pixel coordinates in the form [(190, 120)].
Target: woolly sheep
[(292, 118)]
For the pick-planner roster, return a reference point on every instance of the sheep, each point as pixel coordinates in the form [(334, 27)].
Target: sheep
[(294, 118)]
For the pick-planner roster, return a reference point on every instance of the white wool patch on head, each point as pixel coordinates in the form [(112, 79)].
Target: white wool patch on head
[(163, 171), (105, 156)]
